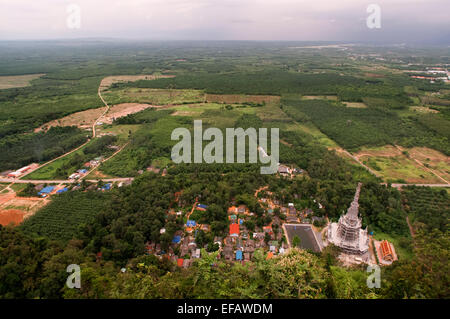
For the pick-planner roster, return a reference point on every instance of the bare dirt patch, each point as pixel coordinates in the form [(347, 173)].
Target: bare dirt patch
[(17, 81), (320, 97), (11, 216), (4, 198), (374, 75), (83, 119), (357, 105), (97, 175), (423, 109), (124, 109), (14, 209)]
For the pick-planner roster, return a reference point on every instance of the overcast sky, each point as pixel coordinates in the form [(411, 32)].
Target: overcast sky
[(333, 20)]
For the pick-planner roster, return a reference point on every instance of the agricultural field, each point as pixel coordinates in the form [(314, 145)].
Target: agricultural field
[(242, 99), (320, 97), (358, 105), (109, 81), (194, 110), (353, 128), (153, 96), (17, 81), (310, 129), (427, 206), (121, 131), (75, 208), (415, 165), (432, 159), (423, 109)]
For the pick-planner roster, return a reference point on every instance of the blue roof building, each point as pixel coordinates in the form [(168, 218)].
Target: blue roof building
[(62, 190), (107, 186), (191, 223), (202, 206), (238, 254), (46, 190), (176, 239)]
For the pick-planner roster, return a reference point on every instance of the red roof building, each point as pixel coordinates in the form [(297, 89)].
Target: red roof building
[(180, 262), (234, 230), (386, 251)]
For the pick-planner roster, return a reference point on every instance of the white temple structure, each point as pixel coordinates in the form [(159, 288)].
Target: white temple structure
[(347, 233)]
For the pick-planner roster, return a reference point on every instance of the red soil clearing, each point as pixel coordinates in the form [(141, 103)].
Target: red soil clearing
[(14, 216)]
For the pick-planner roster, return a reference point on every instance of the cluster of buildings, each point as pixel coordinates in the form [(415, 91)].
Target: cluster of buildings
[(20, 172), (435, 74), (79, 173), (44, 191), (240, 243)]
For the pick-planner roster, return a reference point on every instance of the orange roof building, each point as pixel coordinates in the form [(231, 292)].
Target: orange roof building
[(386, 251), (269, 255), (234, 230)]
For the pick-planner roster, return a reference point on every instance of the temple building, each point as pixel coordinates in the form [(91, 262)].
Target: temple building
[(387, 253), (347, 234)]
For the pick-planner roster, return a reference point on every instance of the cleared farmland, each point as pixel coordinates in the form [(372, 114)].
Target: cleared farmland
[(17, 81)]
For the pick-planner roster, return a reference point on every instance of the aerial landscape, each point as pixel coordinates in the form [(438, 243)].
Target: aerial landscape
[(359, 134)]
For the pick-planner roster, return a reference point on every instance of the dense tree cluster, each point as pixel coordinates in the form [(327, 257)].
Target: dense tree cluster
[(20, 150)]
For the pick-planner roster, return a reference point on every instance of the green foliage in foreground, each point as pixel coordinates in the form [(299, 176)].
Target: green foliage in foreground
[(36, 268)]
